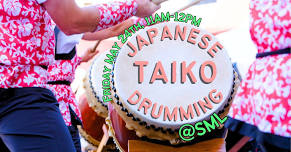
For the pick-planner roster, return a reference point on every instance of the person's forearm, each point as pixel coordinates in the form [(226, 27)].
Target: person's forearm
[(111, 15), (99, 35), (72, 20), (113, 31), (108, 33)]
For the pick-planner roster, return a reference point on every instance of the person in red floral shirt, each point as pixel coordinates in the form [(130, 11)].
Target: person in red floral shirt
[(261, 108), (63, 70), (30, 119), (61, 75)]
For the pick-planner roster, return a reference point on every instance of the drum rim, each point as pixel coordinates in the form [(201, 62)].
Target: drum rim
[(112, 134), (88, 137), (91, 140), (91, 84), (96, 105)]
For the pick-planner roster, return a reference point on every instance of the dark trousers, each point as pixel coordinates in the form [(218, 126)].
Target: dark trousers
[(75, 137), (30, 121), (265, 147), (75, 120)]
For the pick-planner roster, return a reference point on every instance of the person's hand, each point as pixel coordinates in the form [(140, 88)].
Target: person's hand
[(89, 54), (146, 8)]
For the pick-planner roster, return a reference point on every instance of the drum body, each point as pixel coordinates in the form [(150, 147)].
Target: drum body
[(91, 130), (121, 135), (92, 123)]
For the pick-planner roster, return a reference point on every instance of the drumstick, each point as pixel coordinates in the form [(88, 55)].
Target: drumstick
[(104, 138), (189, 5), (95, 46), (157, 2)]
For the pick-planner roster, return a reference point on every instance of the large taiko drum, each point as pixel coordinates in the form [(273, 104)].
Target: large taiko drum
[(165, 76)]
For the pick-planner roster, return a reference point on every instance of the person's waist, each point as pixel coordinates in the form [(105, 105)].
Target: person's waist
[(8, 92), (272, 53), (23, 65), (59, 82), (20, 76)]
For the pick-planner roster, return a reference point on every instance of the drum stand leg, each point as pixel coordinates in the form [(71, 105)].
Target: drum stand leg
[(240, 144)]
